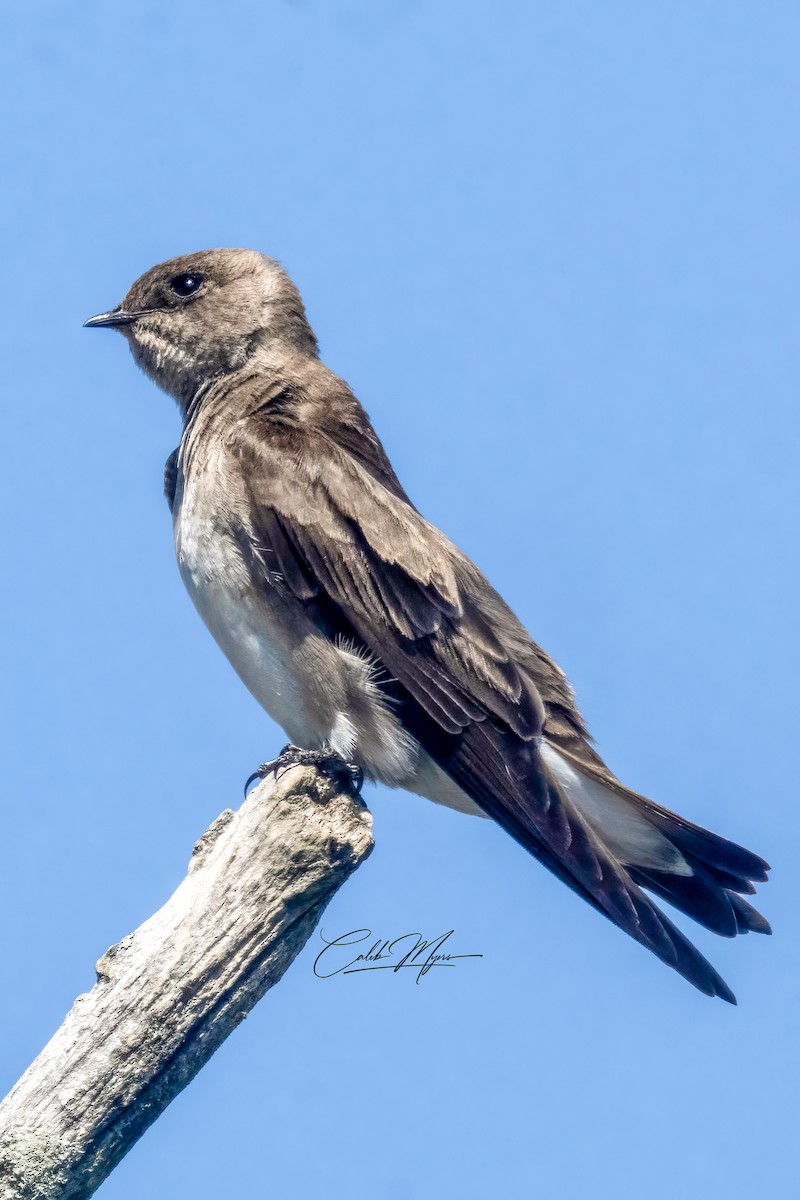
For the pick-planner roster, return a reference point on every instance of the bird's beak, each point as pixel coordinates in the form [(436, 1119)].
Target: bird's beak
[(111, 320)]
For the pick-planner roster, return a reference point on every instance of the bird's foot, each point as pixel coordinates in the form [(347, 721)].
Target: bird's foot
[(347, 774)]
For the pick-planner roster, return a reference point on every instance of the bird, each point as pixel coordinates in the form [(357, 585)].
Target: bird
[(367, 634)]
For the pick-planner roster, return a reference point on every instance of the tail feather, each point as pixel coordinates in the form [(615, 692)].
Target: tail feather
[(732, 882), (700, 873), (619, 898), (603, 842), (514, 784), (721, 872), (701, 897), (748, 918), (694, 895), (716, 853)]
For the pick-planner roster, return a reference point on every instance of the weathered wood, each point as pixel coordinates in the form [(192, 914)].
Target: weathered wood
[(168, 995)]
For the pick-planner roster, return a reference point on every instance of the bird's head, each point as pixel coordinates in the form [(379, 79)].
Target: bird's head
[(194, 318)]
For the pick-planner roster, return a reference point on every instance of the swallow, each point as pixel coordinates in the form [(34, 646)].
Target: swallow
[(366, 634)]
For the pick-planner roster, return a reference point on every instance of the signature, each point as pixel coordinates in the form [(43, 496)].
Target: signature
[(409, 950)]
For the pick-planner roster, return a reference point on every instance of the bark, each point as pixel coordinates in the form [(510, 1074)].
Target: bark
[(169, 994)]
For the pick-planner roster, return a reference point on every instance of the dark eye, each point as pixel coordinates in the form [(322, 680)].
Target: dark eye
[(184, 285)]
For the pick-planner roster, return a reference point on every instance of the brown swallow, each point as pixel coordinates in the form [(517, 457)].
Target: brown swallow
[(364, 632)]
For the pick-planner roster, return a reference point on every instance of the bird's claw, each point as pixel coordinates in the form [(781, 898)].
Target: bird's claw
[(346, 773)]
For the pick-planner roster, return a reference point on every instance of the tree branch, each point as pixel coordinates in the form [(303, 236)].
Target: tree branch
[(169, 994)]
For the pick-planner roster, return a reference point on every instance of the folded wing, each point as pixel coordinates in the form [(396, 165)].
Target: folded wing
[(475, 690)]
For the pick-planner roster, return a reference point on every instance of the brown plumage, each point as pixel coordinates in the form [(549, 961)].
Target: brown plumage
[(359, 625)]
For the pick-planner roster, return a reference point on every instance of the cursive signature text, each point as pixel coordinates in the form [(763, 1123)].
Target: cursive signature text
[(409, 950)]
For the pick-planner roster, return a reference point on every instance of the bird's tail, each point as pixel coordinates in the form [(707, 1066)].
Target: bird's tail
[(700, 873)]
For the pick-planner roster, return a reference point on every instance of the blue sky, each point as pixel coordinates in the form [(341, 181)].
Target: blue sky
[(555, 250)]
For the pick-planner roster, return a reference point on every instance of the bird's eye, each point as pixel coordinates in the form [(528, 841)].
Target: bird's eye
[(184, 285)]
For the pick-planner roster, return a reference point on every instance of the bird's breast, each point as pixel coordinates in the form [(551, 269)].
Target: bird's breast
[(264, 639)]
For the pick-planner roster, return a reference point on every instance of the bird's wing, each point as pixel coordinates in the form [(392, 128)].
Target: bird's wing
[(171, 477), (475, 690)]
